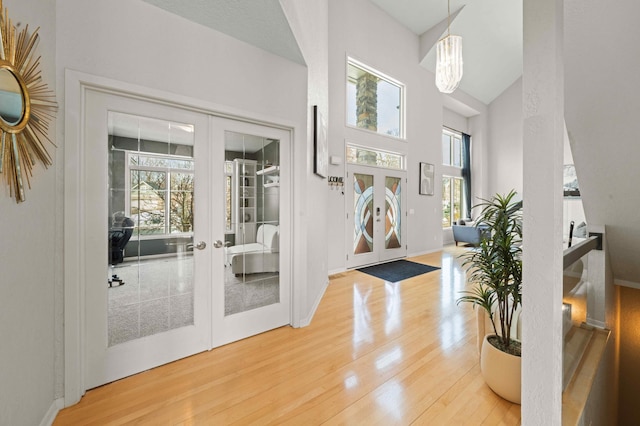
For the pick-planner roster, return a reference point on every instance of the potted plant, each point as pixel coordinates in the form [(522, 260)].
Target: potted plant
[(495, 271)]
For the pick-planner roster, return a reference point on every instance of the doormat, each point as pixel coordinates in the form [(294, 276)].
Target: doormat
[(397, 270)]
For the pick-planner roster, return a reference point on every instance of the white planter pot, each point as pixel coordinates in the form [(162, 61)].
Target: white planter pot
[(501, 371)]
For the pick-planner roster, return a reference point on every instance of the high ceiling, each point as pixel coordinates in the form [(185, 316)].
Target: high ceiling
[(491, 31), (260, 23)]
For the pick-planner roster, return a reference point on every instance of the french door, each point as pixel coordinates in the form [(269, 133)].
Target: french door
[(183, 252), (375, 215), (147, 290), (251, 226)]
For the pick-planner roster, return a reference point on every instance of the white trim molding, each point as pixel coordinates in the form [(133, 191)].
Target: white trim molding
[(306, 321), (52, 412), (76, 86), (625, 283)]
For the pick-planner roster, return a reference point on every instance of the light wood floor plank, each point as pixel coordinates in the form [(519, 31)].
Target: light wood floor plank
[(375, 353)]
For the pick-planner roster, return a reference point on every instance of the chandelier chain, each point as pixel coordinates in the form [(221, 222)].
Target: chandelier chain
[(448, 17)]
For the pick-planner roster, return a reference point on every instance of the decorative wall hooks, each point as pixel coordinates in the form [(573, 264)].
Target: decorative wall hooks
[(26, 107), (336, 181)]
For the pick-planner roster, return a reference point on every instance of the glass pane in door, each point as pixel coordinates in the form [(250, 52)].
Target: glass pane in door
[(252, 222), (393, 193), (362, 213), (151, 187)]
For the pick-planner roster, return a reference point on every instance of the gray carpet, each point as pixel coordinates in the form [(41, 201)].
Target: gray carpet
[(158, 296)]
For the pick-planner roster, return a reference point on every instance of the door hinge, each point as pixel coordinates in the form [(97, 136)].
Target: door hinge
[(347, 215), (347, 257)]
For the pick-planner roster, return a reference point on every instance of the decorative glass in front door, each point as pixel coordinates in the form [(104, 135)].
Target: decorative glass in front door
[(392, 229), (363, 213)]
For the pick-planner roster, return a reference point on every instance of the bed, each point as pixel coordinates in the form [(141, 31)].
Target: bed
[(261, 256)]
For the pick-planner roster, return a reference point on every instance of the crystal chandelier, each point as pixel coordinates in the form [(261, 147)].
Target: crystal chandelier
[(448, 60)]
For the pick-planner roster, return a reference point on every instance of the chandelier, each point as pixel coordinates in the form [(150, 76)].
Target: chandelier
[(448, 60)]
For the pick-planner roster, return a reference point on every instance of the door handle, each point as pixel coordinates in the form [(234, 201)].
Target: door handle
[(201, 245), (218, 244)]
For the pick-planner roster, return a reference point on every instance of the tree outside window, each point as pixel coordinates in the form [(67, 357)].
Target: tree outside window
[(156, 208), (451, 200)]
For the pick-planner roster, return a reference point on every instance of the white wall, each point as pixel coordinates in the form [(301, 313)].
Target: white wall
[(543, 138), (363, 31), (505, 141), (30, 263), (310, 26), (602, 121), (134, 42), (455, 121)]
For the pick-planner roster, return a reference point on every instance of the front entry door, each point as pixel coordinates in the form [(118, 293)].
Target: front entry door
[(375, 215), (146, 234)]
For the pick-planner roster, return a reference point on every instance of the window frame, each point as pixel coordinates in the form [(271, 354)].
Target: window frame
[(402, 101), (453, 137), (167, 205), (402, 157), (451, 198), (229, 183)]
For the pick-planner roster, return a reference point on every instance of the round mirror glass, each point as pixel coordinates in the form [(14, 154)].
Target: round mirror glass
[(11, 102)]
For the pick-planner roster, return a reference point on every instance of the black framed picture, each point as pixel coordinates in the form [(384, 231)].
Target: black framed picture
[(320, 144)]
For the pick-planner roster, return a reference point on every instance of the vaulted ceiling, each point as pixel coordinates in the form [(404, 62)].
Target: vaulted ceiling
[(260, 23), (491, 31)]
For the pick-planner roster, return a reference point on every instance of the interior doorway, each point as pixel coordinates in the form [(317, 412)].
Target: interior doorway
[(161, 217)]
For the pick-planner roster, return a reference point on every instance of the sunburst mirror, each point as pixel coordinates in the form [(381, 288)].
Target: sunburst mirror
[(26, 107)]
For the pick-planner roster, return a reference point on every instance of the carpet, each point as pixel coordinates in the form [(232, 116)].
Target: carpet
[(397, 270)]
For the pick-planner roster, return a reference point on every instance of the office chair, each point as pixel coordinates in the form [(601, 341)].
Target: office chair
[(119, 236)]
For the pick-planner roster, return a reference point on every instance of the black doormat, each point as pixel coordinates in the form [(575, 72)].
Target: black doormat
[(397, 270)]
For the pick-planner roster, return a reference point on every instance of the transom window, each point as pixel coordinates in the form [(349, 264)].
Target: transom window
[(375, 102), (456, 176), (451, 148), (160, 193), (374, 157)]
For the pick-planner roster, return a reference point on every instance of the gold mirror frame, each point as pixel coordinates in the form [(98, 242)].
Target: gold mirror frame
[(22, 143)]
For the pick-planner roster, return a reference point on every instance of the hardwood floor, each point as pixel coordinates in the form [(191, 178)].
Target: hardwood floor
[(376, 353)]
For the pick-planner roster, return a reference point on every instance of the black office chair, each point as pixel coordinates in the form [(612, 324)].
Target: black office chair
[(119, 236)]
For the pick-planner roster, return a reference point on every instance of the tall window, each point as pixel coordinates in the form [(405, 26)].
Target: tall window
[(451, 200), (375, 102), (451, 148), (228, 178), (160, 190), (455, 180)]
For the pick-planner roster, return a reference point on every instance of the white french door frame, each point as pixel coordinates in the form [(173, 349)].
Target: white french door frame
[(76, 86)]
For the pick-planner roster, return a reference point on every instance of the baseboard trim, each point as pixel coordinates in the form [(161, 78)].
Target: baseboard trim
[(337, 271), (422, 253), (306, 321), (52, 412)]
